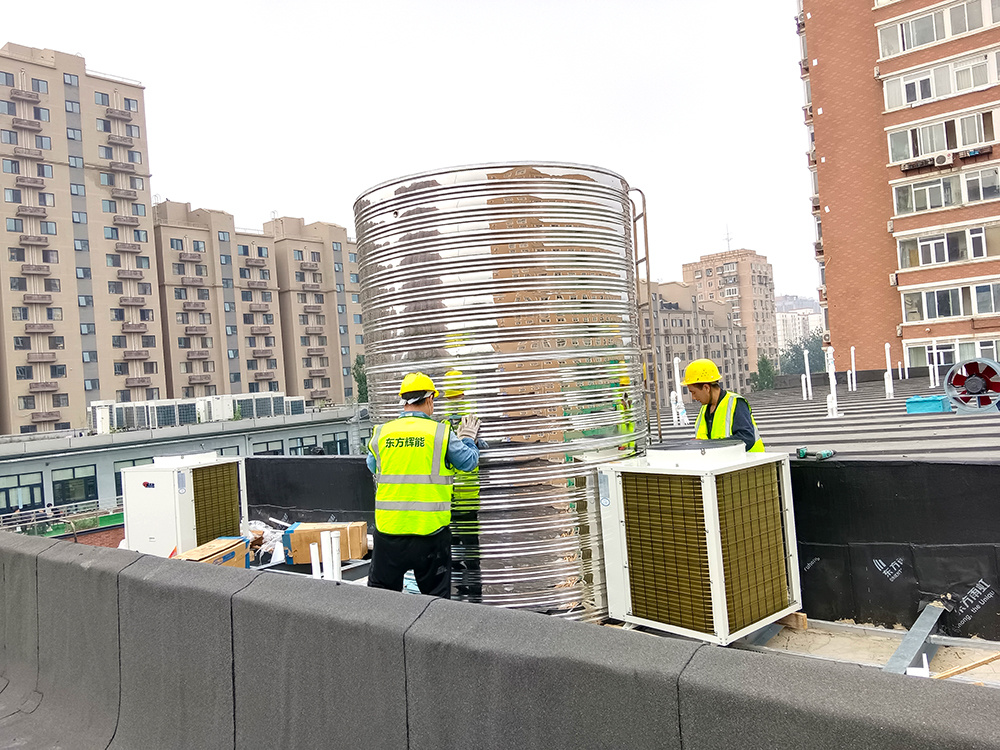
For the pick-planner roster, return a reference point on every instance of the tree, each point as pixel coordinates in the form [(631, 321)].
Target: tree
[(763, 379), (791, 356), (360, 378)]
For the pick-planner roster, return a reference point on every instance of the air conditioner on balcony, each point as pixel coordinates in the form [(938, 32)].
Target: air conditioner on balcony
[(943, 160), (893, 279), (826, 337)]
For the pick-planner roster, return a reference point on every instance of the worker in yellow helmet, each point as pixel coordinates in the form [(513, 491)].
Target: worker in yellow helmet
[(723, 414), (414, 459)]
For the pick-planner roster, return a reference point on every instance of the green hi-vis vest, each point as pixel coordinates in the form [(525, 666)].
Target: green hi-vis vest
[(723, 428), (414, 482)]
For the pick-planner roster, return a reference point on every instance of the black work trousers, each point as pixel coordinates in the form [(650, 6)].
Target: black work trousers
[(429, 557)]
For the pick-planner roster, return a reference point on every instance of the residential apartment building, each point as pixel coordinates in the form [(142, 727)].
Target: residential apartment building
[(247, 311), (79, 320), (685, 328), (900, 104), (795, 325), (744, 279)]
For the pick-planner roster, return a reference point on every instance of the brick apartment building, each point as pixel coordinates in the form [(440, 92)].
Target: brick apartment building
[(900, 102)]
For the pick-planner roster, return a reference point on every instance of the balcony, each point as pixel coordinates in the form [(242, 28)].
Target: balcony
[(255, 262), (32, 269), (316, 352), (260, 330), (257, 284), (317, 373), (264, 375), (263, 353), (33, 239), (46, 386), (811, 157), (315, 329), (45, 416), (808, 112), (32, 211), (195, 330), (818, 247), (120, 140), (118, 114), (815, 204), (25, 96), (192, 281), (308, 265), (129, 273), (133, 354), (126, 221), (128, 247), (800, 22), (803, 66), (140, 382), (132, 301), (310, 287), (129, 195), (22, 124), (318, 394), (259, 307), (28, 153), (39, 328), (36, 357), (37, 299), (191, 257), (822, 294), (313, 309), (199, 379), (134, 328), (195, 306), (122, 166), (198, 354), (32, 182)]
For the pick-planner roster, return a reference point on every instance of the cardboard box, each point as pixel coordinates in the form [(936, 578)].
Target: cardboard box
[(298, 537), (231, 551)]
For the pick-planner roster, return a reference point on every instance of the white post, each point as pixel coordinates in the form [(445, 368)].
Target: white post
[(327, 553), (889, 390), (831, 399), (805, 393), (899, 366), (314, 559), (682, 417), (338, 574), (809, 382), (853, 381), (932, 365)]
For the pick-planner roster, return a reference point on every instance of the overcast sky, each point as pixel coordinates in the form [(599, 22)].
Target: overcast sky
[(298, 107)]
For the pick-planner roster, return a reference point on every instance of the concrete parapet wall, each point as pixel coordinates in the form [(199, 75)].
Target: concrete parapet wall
[(105, 648)]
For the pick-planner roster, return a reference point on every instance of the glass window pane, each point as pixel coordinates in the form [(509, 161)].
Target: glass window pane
[(922, 30), (942, 81), (974, 11), (889, 40), (963, 79), (990, 186), (984, 299), (904, 200), (899, 146), (925, 88), (958, 25)]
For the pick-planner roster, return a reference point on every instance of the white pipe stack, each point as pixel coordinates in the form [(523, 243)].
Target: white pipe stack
[(831, 399), (809, 382)]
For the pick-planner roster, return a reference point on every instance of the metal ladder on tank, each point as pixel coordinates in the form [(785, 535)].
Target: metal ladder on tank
[(650, 379)]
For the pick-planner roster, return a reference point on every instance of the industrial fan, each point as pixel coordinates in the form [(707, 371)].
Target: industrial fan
[(974, 385)]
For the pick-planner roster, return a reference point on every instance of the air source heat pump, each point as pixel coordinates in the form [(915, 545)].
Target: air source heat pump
[(700, 540), (178, 503), (943, 160)]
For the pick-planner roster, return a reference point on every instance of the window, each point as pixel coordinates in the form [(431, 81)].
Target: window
[(939, 303), (265, 296), (89, 356), (41, 114), (72, 106), (81, 245), (177, 269), (248, 319), (261, 251), (11, 195), (233, 354), (132, 131), (966, 132), (314, 257), (300, 276), (105, 152), (139, 235), (243, 250), (111, 233), (46, 227), (74, 134), (142, 261), (982, 185), (987, 298), (200, 270), (352, 257), (341, 308), (12, 166), (336, 247), (79, 217), (76, 162), (116, 287), (109, 207), (121, 368), (230, 330), (87, 329), (246, 296), (148, 342), (265, 274), (103, 126), (19, 313), (197, 245), (22, 343), (136, 183), (338, 267), (57, 342), (108, 180), (7, 108), (8, 136), (44, 170), (205, 318), (39, 86), (15, 225), (244, 273), (24, 372), (132, 105), (227, 283), (359, 339), (223, 236), (927, 195), (25, 402), (85, 300), (357, 319), (82, 273), (180, 292), (47, 199), (296, 254), (43, 142), (135, 157), (354, 278), (204, 294), (75, 485), (70, 79), (102, 99), (113, 261), (356, 298)]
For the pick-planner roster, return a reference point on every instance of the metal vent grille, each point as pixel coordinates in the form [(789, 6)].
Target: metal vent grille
[(216, 501), (667, 550), (753, 544)]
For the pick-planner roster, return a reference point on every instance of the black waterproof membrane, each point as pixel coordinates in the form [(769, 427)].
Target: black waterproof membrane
[(877, 539)]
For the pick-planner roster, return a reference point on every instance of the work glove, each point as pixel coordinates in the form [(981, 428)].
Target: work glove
[(469, 427)]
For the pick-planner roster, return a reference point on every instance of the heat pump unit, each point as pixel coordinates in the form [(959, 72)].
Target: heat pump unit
[(699, 540), (177, 503), (943, 160)]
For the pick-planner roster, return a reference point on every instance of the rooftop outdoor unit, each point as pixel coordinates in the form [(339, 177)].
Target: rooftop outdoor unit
[(699, 540)]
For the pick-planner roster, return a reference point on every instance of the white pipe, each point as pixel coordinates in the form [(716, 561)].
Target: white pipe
[(809, 382), (831, 368), (805, 393), (338, 574), (314, 559), (887, 379), (327, 552), (888, 361), (677, 380), (854, 372), (932, 368), (899, 366)]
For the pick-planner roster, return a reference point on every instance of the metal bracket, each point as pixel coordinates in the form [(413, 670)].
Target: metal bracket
[(916, 642)]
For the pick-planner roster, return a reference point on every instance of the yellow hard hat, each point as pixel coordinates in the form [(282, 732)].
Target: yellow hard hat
[(701, 371), (625, 380), (454, 384), (416, 381)]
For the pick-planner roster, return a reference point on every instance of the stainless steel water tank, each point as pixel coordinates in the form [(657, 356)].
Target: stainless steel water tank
[(512, 286)]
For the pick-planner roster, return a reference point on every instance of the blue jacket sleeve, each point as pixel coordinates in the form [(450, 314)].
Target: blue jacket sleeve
[(742, 424), (370, 460), (462, 453)]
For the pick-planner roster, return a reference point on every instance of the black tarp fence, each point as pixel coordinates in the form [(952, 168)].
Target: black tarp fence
[(879, 539)]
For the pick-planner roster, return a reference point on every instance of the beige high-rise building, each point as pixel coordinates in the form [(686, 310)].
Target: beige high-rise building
[(80, 321), (745, 279), (248, 311)]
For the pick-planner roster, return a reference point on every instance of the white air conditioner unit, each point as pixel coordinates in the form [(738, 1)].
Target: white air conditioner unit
[(888, 225), (893, 280), (826, 337), (943, 160), (699, 540)]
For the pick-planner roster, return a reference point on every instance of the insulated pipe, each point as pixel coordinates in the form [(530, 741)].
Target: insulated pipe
[(681, 411), (337, 571), (853, 385), (831, 368), (899, 367), (805, 393), (314, 559), (327, 552), (809, 382)]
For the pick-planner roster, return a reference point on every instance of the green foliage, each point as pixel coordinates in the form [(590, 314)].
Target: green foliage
[(360, 378), (791, 356), (763, 379)]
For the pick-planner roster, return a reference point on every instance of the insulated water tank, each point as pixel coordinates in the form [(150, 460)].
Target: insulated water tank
[(513, 287)]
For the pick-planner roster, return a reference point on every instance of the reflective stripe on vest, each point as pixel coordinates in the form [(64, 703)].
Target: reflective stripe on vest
[(723, 428), (414, 481)]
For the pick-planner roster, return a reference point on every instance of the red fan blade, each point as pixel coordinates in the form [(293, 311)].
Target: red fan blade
[(965, 399), (972, 368), (988, 372), (984, 400), (958, 380)]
